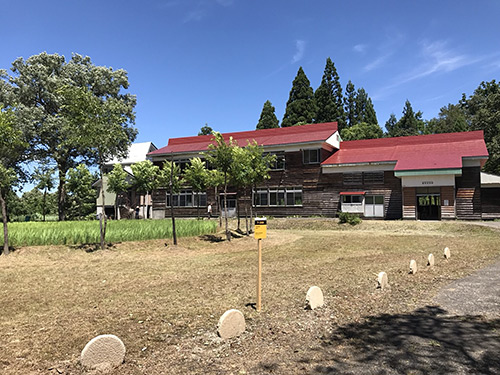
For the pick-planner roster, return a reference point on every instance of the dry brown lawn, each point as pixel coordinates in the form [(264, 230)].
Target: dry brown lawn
[(164, 301)]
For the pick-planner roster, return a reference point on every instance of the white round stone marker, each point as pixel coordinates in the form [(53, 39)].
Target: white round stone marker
[(413, 266), (447, 253), (382, 280), (314, 298), (231, 324), (103, 350), (430, 260)]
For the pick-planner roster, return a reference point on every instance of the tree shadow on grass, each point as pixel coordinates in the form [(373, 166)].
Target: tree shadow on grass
[(423, 342)]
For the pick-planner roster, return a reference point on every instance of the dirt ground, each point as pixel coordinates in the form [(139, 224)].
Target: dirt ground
[(164, 302)]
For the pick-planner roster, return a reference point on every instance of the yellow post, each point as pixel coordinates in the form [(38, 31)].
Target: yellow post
[(259, 276), (260, 233)]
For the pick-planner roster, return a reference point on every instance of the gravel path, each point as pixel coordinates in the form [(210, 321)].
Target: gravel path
[(477, 294)]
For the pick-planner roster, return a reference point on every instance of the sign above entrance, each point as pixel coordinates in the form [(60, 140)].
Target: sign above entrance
[(429, 180)]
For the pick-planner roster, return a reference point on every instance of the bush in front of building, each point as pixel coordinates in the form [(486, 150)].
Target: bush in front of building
[(347, 217)]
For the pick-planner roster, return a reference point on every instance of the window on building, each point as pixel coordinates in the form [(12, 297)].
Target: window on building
[(311, 156), (353, 199), (279, 163), (187, 198), (283, 196)]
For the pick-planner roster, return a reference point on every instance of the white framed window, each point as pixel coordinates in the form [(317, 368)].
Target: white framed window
[(352, 203), (187, 198), (275, 197), (311, 156)]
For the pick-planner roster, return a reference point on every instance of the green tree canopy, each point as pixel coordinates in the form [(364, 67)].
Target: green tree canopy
[(328, 97), (410, 123), (361, 130), (483, 113), (300, 106), (451, 118), (205, 130), (117, 183), (196, 176), (268, 118), (81, 201), (39, 89), (364, 111), (12, 147)]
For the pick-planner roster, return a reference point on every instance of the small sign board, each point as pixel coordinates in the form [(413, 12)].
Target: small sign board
[(260, 227)]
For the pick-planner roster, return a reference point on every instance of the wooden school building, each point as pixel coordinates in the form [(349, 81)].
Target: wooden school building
[(426, 177)]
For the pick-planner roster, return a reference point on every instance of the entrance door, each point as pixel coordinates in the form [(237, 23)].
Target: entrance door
[(429, 207), (374, 206)]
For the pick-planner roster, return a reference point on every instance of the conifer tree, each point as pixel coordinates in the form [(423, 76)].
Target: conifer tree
[(350, 104), (267, 118), (364, 111), (300, 106), (410, 123), (328, 97)]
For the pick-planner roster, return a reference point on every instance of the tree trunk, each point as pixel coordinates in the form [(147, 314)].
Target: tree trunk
[(246, 214), (251, 209), (103, 219), (228, 235), (174, 233), (5, 229), (219, 211), (61, 194), (198, 205), (44, 203), (238, 213)]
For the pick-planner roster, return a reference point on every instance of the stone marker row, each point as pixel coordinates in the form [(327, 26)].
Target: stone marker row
[(382, 281)]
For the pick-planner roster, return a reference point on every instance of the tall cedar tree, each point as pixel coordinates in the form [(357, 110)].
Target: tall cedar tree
[(328, 97), (268, 118), (38, 83), (410, 123), (300, 107), (364, 108), (350, 104), (483, 113)]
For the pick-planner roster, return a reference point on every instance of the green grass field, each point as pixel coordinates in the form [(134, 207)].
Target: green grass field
[(87, 232)]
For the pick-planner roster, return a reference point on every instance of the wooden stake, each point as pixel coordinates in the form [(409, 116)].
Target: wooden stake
[(259, 276)]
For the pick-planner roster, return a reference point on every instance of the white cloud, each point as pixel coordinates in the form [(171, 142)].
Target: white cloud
[(360, 48), (299, 53), (376, 63)]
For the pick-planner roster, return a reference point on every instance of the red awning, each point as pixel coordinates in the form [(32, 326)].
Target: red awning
[(352, 193)]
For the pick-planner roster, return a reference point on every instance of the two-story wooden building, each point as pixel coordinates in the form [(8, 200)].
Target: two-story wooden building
[(316, 173)]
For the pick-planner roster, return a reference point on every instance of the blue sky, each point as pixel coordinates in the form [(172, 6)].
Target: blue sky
[(192, 62)]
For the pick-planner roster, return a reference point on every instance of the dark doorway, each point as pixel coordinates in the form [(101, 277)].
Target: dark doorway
[(429, 207)]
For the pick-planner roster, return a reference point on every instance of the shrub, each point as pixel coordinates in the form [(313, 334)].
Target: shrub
[(346, 217)]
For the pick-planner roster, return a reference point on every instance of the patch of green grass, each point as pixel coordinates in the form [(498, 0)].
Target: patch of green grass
[(85, 232)]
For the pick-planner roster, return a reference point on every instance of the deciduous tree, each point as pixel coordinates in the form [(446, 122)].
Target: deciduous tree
[(196, 176), (146, 179), (39, 92), (12, 147), (361, 130), (81, 201), (117, 183)]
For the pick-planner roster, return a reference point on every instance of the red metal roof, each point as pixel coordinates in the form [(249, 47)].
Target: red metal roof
[(352, 193), (264, 137), (434, 151)]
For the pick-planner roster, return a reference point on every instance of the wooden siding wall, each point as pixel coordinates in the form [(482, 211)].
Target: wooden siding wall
[(448, 211), (468, 196), (410, 203), (490, 203), (320, 192)]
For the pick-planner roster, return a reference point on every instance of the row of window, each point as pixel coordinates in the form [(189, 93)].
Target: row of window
[(363, 178), (289, 196)]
